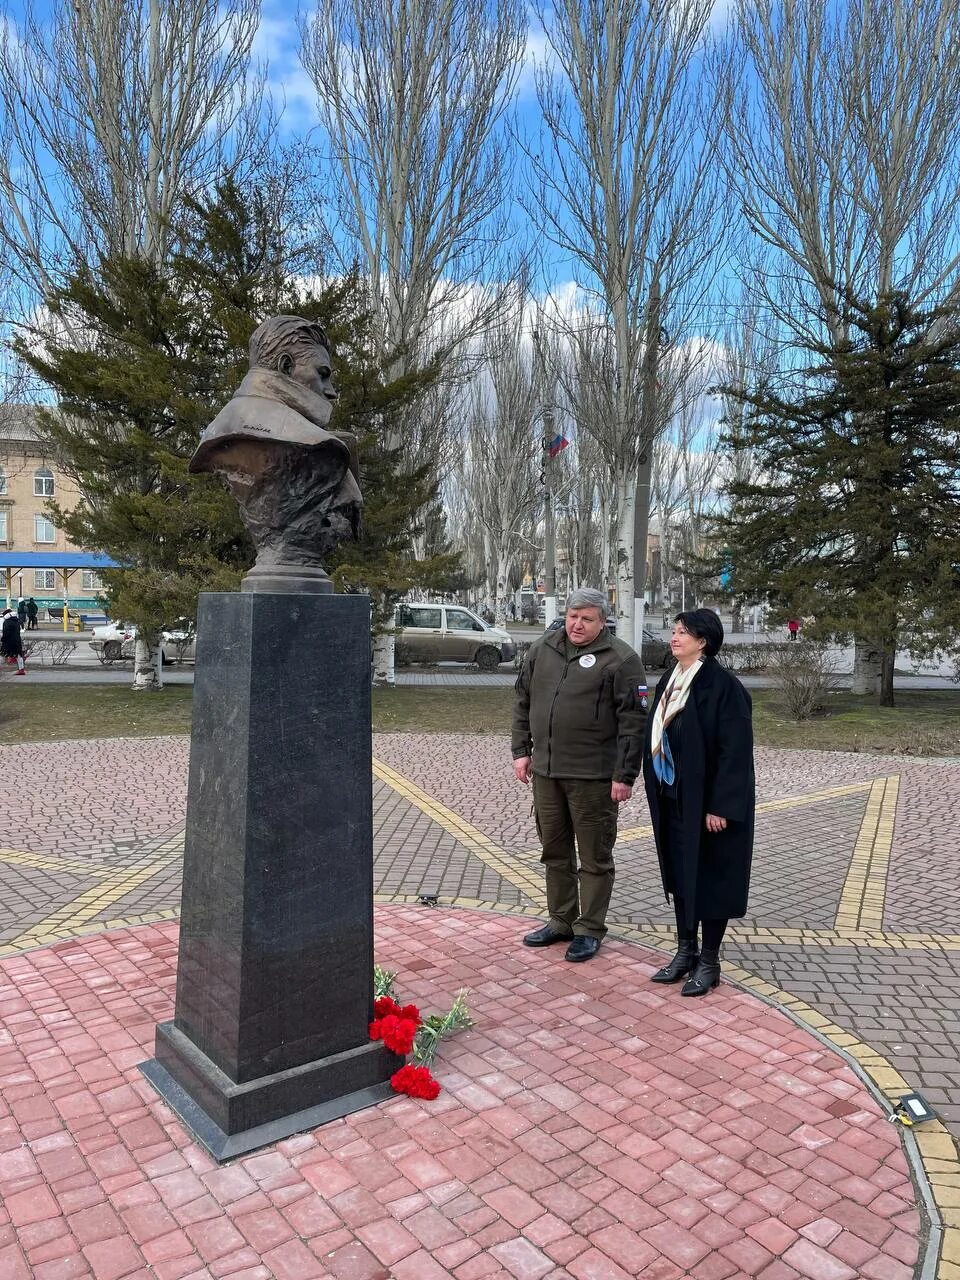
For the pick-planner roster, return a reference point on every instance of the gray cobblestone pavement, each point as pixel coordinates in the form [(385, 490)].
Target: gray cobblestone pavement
[(855, 906)]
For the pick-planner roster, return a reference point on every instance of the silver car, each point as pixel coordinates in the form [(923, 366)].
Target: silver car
[(449, 633)]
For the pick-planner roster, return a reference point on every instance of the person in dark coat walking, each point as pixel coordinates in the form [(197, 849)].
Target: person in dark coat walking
[(11, 643), (22, 612), (699, 777), (32, 611)]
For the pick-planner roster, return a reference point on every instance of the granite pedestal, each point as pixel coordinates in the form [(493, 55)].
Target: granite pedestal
[(275, 970)]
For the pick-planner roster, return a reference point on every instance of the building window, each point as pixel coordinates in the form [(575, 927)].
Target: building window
[(44, 579), (3, 481), (43, 486), (3, 526), (90, 580), (43, 530)]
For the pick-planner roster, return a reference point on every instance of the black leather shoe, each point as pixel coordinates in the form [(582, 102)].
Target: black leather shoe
[(684, 962), (545, 936), (705, 976), (582, 947)]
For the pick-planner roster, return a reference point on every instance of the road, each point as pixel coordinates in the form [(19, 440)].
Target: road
[(81, 668)]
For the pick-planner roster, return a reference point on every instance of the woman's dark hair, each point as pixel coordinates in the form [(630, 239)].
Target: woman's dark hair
[(705, 625)]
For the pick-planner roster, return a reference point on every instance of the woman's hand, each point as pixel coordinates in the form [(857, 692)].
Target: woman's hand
[(716, 824)]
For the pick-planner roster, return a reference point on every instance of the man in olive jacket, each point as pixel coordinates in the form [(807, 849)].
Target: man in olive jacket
[(578, 725)]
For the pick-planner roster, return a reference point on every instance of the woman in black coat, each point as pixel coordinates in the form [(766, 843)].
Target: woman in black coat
[(11, 644), (699, 778)]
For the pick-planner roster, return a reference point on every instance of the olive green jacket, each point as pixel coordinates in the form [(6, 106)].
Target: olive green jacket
[(578, 718)]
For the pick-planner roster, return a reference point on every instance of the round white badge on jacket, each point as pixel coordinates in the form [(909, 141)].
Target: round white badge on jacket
[(588, 660)]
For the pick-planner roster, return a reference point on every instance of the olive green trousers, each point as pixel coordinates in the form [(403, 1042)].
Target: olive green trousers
[(576, 816)]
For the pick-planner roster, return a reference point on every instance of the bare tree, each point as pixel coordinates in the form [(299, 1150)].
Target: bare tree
[(412, 97), (747, 359), (843, 139), (628, 188), (111, 113), (580, 484), (501, 458)]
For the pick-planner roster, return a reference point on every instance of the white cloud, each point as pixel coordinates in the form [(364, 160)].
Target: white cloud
[(277, 44), (536, 57)]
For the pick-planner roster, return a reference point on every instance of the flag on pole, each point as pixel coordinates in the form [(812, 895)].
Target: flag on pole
[(557, 445)]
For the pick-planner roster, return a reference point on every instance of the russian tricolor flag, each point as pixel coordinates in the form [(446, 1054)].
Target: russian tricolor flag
[(557, 445)]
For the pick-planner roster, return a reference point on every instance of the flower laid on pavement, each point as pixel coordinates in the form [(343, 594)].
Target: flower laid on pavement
[(403, 1031), (416, 1082)]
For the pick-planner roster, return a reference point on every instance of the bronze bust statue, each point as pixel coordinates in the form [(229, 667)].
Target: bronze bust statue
[(297, 484)]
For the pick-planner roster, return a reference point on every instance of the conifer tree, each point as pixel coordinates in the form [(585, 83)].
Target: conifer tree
[(162, 348), (851, 515)]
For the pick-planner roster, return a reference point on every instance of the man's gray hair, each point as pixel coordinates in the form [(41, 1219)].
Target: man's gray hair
[(281, 335), (587, 598)]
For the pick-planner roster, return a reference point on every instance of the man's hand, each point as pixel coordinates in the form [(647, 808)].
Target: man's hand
[(521, 769), (716, 824), (619, 791)]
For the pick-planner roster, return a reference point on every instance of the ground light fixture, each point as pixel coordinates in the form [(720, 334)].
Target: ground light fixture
[(912, 1109)]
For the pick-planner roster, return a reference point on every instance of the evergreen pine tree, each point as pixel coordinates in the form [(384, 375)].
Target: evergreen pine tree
[(852, 516), (163, 348)]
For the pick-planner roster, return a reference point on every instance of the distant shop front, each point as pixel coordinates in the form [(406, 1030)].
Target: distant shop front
[(62, 583)]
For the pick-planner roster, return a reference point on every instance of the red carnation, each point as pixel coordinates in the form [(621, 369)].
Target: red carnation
[(376, 1030), (385, 1005), (397, 1034), (415, 1082)]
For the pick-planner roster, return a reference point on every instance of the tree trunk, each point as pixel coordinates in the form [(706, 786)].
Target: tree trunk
[(624, 553), (888, 662), (500, 594), (384, 649), (866, 667), (736, 621), (146, 664)]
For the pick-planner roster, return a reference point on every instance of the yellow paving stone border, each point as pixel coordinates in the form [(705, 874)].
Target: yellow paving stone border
[(864, 891), (933, 1151), (463, 832), (629, 834), (70, 920), (46, 862)]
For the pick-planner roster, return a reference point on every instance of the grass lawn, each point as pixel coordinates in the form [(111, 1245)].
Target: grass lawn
[(926, 724)]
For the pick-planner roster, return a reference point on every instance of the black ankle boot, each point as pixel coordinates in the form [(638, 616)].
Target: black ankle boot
[(682, 963), (705, 976)]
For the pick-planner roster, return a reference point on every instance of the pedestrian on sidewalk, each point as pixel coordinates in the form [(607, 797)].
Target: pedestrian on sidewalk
[(793, 628), (578, 720), (699, 776), (32, 611), (22, 612), (11, 641)]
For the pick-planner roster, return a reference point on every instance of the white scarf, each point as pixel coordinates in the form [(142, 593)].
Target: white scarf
[(670, 705)]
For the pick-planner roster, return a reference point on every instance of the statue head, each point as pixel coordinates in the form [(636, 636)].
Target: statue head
[(297, 348)]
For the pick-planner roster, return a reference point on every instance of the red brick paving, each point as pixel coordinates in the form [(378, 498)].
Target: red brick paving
[(592, 1126)]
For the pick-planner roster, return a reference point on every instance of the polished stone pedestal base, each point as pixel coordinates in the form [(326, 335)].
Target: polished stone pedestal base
[(275, 967), (231, 1119)]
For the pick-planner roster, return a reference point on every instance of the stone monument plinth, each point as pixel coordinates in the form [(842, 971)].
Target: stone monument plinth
[(275, 972)]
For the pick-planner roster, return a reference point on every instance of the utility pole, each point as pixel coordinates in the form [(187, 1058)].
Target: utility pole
[(546, 476), (641, 513)]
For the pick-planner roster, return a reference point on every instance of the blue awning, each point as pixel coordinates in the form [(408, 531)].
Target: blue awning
[(55, 560)]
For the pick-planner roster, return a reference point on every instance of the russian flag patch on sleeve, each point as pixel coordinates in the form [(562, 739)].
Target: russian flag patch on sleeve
[(642, 695)]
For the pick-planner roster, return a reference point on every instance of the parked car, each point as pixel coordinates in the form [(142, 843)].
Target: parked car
[(656, 653), (449, 633), (116, 641)]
